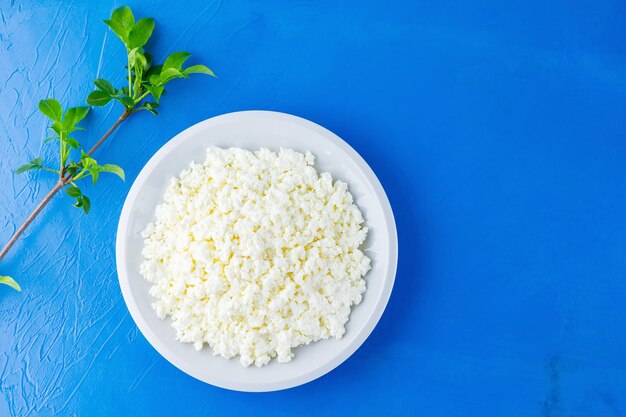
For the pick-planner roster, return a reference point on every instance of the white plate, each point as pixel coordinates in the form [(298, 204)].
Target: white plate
[(253, 130)]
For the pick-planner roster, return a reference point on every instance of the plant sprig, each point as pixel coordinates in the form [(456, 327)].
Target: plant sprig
[(64, 123), (145, 80), (145, 87)]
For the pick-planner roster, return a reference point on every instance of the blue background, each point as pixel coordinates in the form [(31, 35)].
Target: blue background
[(498, 130)]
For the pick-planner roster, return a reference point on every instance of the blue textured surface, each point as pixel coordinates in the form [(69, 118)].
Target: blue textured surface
[(497, 128)]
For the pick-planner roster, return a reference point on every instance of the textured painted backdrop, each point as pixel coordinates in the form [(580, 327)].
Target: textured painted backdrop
[(497, 128)]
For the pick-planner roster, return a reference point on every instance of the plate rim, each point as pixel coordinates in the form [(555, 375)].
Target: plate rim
[(372, 320)]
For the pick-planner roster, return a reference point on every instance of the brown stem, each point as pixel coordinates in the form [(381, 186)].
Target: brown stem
[(32, 216), (104, 137), (118, 122), (59, 185)]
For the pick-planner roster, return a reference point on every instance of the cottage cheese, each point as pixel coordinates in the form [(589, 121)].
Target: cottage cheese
[(255, 253)]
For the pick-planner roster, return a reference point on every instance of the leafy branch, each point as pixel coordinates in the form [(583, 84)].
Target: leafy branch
[(145, 87), (146, 82)]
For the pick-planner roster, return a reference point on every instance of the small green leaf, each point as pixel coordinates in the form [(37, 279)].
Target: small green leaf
[(24, 168), (80, 202), (57, 127), (86, 204), (98, 98), (126, 101), (176, 60), (121, 22), (87, 161), (166, 75), (10, 282), (125, 16), (72, 143), (72, 168), (34, 164), (50, 139), (156, 91), (132, 57), (137, 87), (149, 106), (141, 63), (155, 79), (74, 115), (113, 169), (152, 71), (140, 33), (118, 29), (105, 86), (95, 174), (73, 191), (148, 59), (51, 108), (169, 73), (199, 69)]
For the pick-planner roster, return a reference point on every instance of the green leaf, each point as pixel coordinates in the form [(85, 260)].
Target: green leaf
[(86, 204), (73, 191), (50, 139), (57, 127), (152, 71), (138, 63), (166, 75), (155, 79), (72, 143), (87, 161), (105, 86), (95, 174), (34, 164), (79, 201), (199, 69), (51, 108), (137, 87), (150, 110), (140, 33), (149, 106), (148, 59), (98, 98), (156, 91), (141, 63), (24, 168), (176, 60), (126, 101), (121, 22), (118, 29), (72, 168), (74, 115), (132, 57), (113, 169), (10, 282)]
